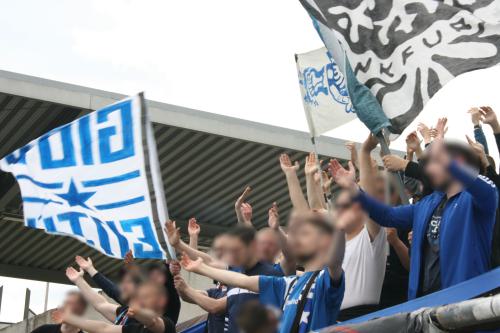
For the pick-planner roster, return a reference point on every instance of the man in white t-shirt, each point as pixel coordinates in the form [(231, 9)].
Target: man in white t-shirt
[(364, 260)]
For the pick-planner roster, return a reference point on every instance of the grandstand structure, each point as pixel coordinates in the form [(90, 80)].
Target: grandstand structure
[(205, 160)]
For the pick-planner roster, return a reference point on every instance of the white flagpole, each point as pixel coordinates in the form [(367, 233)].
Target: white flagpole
[(46, 303)]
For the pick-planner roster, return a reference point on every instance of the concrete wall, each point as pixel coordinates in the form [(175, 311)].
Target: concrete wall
[(188, 311)]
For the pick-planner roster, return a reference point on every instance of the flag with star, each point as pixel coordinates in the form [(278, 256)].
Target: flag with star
[(96, 179)]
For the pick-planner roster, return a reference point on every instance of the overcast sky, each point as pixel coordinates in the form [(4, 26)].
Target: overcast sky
[(222, 56)]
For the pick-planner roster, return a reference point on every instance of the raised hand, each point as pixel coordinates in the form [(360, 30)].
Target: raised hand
[(475, 116), (242, 197), (479, 151), (425, 132), (175, 267), (173, 233), (311, 166), (179, 283), (370, 143), (191, 265), (394, 163), (193, 227), (73, 275), (286, 164), (85, 264), (351, 146), (412, 142), (274, 217), (129, 258), (345, 178), (489, 117), (327, 182), (441, 128), (246, 212)]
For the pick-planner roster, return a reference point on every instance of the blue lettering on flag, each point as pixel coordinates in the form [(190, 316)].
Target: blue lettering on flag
[(149, 239), (105, 134), (46, 156)]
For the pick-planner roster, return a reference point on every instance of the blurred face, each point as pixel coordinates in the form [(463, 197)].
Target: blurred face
[(379, 188), (157, 276), (268, 247), (149, 298), (356, 215), (219, 248), (73, 302), (306, 240), (239, 253), (128, 288), (437, 173)]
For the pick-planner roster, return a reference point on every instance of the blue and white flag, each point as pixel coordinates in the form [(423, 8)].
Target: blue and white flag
[(96, 179), (324, 92)]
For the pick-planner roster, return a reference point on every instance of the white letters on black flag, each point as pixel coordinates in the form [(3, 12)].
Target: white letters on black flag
[(324, 92), (92, 179), (405, 51)]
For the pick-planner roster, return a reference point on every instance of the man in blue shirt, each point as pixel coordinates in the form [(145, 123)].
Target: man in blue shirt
[(452, 227), (240, 250), (311, 301)]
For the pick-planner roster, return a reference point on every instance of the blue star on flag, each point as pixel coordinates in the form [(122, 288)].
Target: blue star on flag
[(75, 198)]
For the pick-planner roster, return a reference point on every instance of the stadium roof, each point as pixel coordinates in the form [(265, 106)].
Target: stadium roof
[(206, 161)]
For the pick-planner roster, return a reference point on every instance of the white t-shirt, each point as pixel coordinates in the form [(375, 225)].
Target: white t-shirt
[(364, 269)]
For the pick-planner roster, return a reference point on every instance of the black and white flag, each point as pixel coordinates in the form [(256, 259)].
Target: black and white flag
[(405, 51)]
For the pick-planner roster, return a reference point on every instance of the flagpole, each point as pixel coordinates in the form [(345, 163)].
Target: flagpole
[(384, 147)]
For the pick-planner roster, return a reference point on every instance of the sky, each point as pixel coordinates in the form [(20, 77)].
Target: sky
[(221, 56)]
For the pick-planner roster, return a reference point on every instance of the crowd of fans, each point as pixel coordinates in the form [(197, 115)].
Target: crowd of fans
[(349, 247)]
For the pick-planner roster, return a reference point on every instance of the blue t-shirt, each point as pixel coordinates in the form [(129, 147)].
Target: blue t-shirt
[(284, 293), (237, 296), (216, 323)]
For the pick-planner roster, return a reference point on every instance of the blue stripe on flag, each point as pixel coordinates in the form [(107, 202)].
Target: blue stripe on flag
[(40, 184), (119, 204), (40, 200), (112, 180)]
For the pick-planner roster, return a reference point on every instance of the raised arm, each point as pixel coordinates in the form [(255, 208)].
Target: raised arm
[(384, 215), (336, 254), (194, 232), (90, 326), (174, 239), (314, 191), (413, 145), (107, 286), (226, 277), (367, 176), (299, 202), (483, 190), (200, 297), (425, 132), (153, 322), (489, 117), (475, 115), (351, 146), (99, 303), (288, 263), (366, 171), (174, 302), (240, 207)]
